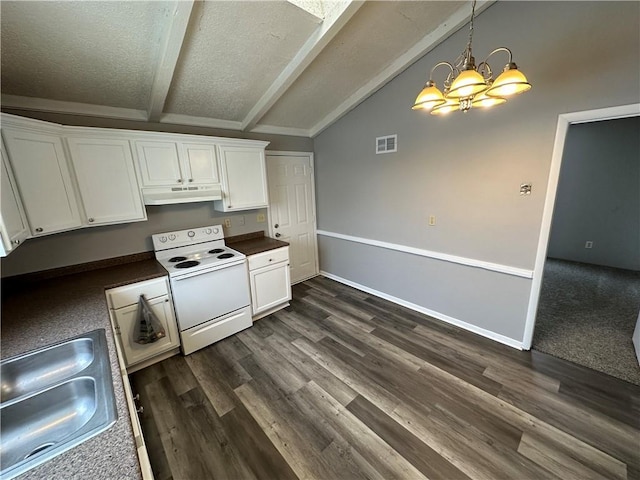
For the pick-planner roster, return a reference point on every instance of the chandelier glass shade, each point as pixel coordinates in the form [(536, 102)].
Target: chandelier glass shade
[(468, 85)]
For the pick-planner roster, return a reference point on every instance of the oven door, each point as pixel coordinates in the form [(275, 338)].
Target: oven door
[(207, 294)]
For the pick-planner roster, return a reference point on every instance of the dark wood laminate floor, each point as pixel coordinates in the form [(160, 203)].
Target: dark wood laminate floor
[(344, 385)]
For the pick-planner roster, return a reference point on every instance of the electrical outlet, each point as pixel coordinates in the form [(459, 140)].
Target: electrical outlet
[(227, 222), (589, 244), (432, 220), (261, 218), (240, 220)]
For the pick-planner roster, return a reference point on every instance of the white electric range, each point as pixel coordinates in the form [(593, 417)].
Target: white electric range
[(209, 284)]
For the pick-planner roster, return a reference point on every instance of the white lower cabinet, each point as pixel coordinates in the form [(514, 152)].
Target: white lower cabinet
[(141, 447), (123, 308), (270, 281)]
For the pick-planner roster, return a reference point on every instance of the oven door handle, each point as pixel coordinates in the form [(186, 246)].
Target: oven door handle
[(207, 270)]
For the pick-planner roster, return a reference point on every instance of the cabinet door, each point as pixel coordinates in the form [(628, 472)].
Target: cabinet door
[(159, 163), (42, 174), (244, 178), (13, 223), (107, 180), (200, 163), (126, 321), (270, 287)]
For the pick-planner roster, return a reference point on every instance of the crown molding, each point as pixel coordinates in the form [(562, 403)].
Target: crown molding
[(275, 130), (72, 108), (192, 120)]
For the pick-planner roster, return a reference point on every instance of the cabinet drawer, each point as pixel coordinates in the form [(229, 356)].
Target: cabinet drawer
[(268, 258), (129, 294)]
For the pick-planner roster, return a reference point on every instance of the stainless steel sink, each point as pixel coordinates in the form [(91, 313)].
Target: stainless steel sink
[(32, 372), (54, 399)]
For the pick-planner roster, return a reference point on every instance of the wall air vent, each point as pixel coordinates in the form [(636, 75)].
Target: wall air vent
[(387, 144)]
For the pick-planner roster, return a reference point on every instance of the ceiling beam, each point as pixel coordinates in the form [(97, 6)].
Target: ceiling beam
[(170, 46), (434, 38), (336, 18)]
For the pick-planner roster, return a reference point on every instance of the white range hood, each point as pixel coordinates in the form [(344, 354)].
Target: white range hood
[(171, 195)]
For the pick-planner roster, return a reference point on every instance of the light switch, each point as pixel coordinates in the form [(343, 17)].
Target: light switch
[(432, 220), (260, 218)]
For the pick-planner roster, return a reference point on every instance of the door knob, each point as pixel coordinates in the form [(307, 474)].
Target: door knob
[(278, 235)]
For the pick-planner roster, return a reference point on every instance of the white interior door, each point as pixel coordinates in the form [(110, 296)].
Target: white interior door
[(292, 210)]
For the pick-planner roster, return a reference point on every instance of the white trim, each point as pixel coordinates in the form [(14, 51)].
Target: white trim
[(510, 342), (470, 262), (170, 46), (287, 153), (324, 33), (458, 19), (179, 119), (564, 120), (73, 108), (275, 130)]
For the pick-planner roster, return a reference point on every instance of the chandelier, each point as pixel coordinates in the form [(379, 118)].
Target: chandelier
[(468, 85)]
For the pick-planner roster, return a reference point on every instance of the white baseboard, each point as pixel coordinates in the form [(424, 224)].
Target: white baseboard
[(510, 342)]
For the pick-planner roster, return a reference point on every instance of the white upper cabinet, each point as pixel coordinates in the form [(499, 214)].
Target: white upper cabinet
[(13, 222), (200, 163), (43, 178), (159, 163), (244, 178), (106, 180), (175, 163)]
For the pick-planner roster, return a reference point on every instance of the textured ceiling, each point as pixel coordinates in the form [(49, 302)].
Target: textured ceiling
[(216, 58), (265, 66), (90, 52)]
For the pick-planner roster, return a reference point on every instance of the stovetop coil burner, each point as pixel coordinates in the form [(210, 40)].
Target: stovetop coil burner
[(177, 259), (216, 250), (225, 255), (187, 264)]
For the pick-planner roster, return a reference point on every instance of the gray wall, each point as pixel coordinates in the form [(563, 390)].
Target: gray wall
[(598, 195), (97, 243), (467, 168)]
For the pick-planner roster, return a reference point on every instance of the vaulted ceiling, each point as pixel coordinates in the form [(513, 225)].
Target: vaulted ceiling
[(284, 67)]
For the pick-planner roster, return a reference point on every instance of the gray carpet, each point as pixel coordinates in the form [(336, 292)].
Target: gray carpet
[(587, 314)]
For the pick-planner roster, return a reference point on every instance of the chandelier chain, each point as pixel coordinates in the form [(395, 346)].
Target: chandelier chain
[(473, 14)]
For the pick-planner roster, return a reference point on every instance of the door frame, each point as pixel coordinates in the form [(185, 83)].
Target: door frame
[(564, 120), (285, 153)]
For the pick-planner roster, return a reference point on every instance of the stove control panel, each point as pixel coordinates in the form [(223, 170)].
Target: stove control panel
[(180, 238)]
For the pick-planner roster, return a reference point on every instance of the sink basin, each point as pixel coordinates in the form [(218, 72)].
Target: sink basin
[(29, 373), (54, 399)]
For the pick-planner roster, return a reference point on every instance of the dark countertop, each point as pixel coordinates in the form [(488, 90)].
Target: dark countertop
[(41, 312), (252, 243)]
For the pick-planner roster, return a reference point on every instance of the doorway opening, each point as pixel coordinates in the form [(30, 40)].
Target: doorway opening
[(561, 285)]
